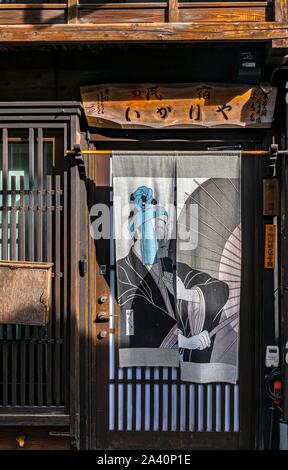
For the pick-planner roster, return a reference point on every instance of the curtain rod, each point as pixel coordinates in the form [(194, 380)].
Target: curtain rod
[(109, 152)]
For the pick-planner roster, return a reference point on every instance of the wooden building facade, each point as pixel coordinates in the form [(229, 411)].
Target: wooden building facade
[(56, 385)]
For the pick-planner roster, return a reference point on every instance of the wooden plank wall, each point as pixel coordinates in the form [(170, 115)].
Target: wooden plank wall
[(172, 11)]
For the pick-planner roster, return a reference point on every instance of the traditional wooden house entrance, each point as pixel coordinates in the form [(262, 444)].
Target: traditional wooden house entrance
[(67, 374)]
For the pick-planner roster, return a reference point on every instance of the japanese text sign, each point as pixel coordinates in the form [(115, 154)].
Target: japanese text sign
[(137, 106), (270, 246)]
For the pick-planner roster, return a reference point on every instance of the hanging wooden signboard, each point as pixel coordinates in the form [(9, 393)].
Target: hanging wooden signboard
[(138, 106)]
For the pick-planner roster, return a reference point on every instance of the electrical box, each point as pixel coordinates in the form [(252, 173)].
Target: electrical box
[(272, 356)]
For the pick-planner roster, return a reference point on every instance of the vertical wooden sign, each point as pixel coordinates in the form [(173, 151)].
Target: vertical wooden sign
[(270, 246)]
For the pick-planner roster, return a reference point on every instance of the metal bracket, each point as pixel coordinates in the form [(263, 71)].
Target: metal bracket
[(77, 155)]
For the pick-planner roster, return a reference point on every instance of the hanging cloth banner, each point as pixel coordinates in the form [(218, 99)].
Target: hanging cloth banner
[(208, 265), (179, 291), (143, 202), (184, 105)]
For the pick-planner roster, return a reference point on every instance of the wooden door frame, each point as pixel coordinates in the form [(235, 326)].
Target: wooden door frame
[(66, 116), (252, 393)]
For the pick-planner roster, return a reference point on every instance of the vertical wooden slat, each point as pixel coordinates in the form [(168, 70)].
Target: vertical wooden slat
[(65, 351), (13, 241), (39, 221), (223, 400), (160, 398), (40, 195), (23, 374), (134, 409), (231, 391), (124, 398), (196, 407), (213, 407), (116, 353), (205, 391), (31, 194), (5, 372), (102, 285), (75, 292), (49, 259), (40, 374), (116, 389), (31, 373), (5, 187), (173, 11), (22, 238), (178, 409), (57, 293), (143, 399), (31, 258), (72, 11), (13, 372), (187, 405), (151, 398), (281, 10), (13, 256), (169, 399)]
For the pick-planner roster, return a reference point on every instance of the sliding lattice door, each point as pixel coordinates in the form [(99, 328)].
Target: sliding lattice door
[(34, 227)]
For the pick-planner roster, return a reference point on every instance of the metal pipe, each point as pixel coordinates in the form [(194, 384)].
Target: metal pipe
[(265, 153)]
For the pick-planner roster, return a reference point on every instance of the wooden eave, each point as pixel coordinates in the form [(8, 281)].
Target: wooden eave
[(143, 32)]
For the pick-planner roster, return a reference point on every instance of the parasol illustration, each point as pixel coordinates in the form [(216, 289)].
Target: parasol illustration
[(211, 214)]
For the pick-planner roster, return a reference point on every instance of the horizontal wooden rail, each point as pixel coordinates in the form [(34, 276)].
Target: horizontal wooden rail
[(203, 4), (186, 32), (32, 6)]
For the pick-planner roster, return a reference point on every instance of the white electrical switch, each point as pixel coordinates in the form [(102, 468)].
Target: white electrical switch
[(272, 356)]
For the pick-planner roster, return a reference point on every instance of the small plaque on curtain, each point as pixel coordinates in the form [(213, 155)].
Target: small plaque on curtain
[(156, 106)]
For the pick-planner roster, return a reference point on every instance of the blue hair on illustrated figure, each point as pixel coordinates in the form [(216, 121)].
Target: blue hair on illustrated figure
[(147, 212)]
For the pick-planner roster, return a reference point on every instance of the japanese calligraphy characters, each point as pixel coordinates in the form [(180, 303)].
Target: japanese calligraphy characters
[(140, 106)]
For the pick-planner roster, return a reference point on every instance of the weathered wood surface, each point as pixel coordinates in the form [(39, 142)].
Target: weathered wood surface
[(154, 12), (33, 16), (173, 14), (83, 34), (25, 291), (281, 10), (201, 13), (178, 106)]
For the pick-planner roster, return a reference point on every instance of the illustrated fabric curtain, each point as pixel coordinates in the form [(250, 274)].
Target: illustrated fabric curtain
[(143, 186), (178, 261), (208, 265)]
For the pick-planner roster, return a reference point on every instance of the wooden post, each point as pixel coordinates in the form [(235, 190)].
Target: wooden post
[(281, 10), (72, 6), (173, 12)]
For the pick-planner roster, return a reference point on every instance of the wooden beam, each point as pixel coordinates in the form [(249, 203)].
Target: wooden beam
[(281, 10), (33, 6), (173, 12), (147, 32), (30, 419), (150, 5)]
